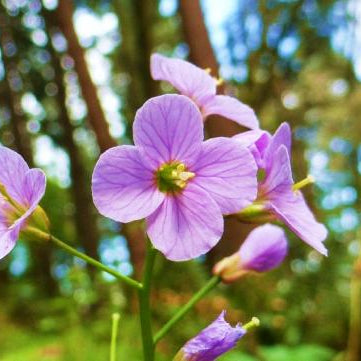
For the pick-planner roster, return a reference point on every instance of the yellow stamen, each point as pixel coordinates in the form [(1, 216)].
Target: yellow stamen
[(255, 322), (219, 81), (184, 176), (208, 70), (303, 183)]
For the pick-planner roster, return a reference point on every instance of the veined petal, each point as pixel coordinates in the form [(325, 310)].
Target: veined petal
[(233, 109), (278, 175), (215, 340), (187, 78), (12, 173), (186, 225), (228, 173), (34, 187), (168, 128), (123, 187), (256, 141), (291, 207), (283, 136), (8, 238), (264, 248)]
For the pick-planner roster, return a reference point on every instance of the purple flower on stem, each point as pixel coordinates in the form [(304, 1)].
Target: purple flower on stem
[(201, 87), (264, 249), (179, 183), (21, 190), (277, 192), (215, 340)]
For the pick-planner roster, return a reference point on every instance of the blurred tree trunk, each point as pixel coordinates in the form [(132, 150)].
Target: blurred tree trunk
[(202, 54), (64, 16), (135, 17), (84, 216), (12, 93), (40, 254)]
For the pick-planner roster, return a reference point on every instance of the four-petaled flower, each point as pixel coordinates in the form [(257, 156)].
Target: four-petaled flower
[(179, 183), (215, 340), (197, 84), (263, 250), (276, 191), (21, 190)]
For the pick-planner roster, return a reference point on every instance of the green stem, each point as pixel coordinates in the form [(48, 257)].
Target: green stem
[(213, 282), (113, 342), (42, 235), (144, 305)]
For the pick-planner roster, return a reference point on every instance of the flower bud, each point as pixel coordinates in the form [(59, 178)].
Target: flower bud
[(263, 250), (218, 338)]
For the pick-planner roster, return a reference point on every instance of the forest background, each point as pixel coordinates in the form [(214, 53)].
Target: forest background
[(72, 76)]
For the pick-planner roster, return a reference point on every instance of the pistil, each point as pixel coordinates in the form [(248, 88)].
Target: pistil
[(173, 176), (303, 183)]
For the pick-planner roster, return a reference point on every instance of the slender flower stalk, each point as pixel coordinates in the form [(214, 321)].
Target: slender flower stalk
[(212, 283), (48, 237), (144, 304), (113, 342)]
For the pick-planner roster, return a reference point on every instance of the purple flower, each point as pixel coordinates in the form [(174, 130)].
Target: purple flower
[(197, 84), (21, 190), (263, 250), (276, 191), (215, 340), (181, 185)]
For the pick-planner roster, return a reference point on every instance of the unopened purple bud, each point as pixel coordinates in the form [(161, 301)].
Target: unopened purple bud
[(263, 250)]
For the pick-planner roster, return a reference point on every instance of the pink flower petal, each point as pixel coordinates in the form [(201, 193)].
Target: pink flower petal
[(232, 109), (124, 188), (295, 213), (264, 249), (12, 173), (228, 173), (215, 340), (186, 225), (187, 78), (279, 175), (283, 136), (33, 187), (257, 142), (168, 128)]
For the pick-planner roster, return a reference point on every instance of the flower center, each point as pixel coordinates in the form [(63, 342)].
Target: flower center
[(172, 177)]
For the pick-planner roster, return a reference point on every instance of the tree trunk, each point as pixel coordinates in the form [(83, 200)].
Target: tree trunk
[(18, 122), (84, 216), (64, 16)]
